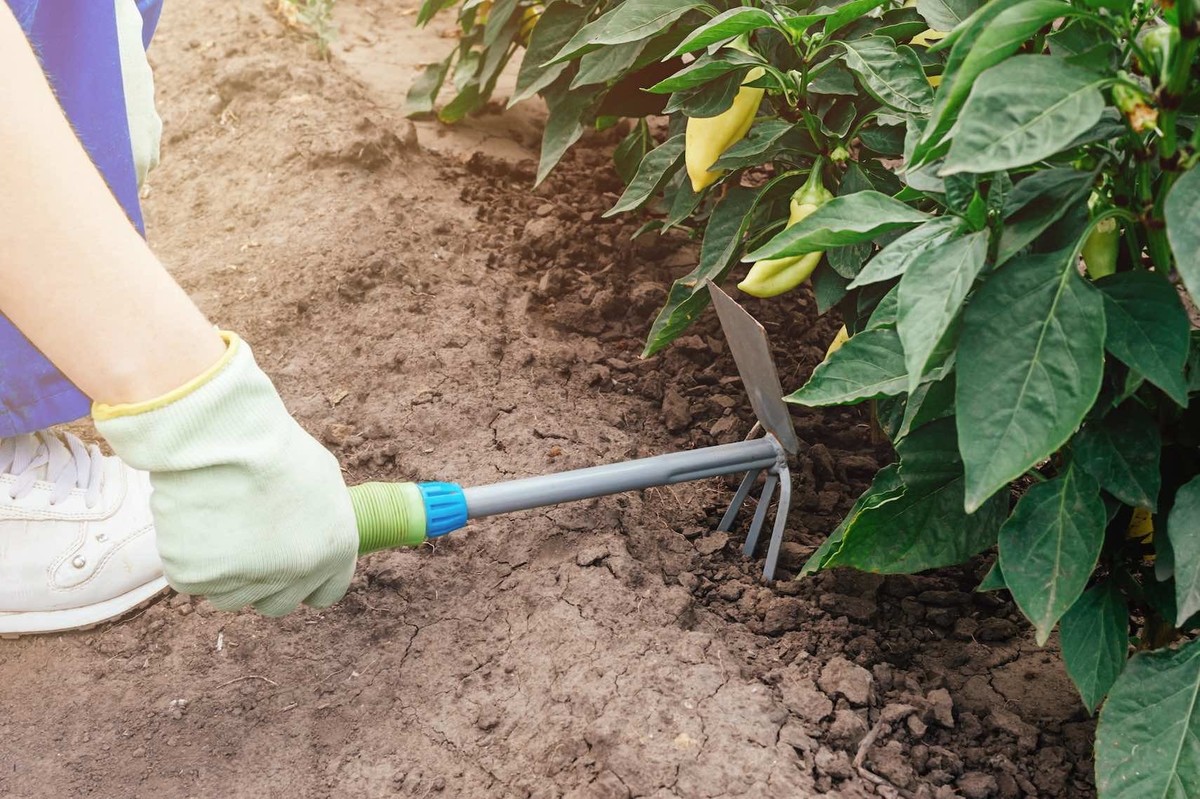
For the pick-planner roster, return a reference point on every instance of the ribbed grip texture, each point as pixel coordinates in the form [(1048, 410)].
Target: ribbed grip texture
[(389, 515), (445, 507)]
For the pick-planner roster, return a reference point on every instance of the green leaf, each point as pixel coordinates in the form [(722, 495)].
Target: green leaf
[(932, 400), (893, 259), (1148, 328), (429, 8), (722, 240), (833, 79), (1050, 545), (1148, 739), (726, 25), (849, 259), (993, 580), (1038, 202), (704, 70), (1030, 363), (708, 100), (556, 25), (891, 74), (629, 21), (466, 101), (1021, 111), (652, 173), (1193, 363), (869, 365), (1182, 230), (886, 487), (885, 140), (425, 88), (989, 36), (829, 288), (1095, 641), (946, 15), (849, 12), (767, 138), (843, 220), (497, 21), (1183, 529), (931, 295), (1122, 451), (925, 527), (629, 153), (564, 125), (607, 63)]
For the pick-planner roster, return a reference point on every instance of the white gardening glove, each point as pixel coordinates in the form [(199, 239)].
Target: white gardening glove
[(249, 509)]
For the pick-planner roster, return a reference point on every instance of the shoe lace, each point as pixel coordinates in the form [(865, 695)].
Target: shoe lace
[(65, 461)]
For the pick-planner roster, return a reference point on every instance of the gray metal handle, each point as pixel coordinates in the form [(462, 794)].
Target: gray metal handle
[(614, 478)]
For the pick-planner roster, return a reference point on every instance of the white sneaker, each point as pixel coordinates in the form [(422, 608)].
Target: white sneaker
[(76, 536)]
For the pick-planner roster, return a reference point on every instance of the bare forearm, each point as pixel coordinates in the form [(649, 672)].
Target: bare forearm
[(75, 276)]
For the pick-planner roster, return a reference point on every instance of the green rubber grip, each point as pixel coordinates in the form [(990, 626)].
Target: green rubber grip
[(389, 515)]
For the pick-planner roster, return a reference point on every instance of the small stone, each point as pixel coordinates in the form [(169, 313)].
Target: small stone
[(1011, 723), (676, 413), (792, 555), (795, 736), (941, 706), (782, 615), (965, 628), (891, 763), (542, 227), (917, 727), (836, 764), (977, 785), (590, 556), (712, 543), (180, 599), (896, 712), (841, 677), (730, 592), (847, 729), (996, 630), (944, 599), (855, 608), (803, 699), (545, 209)]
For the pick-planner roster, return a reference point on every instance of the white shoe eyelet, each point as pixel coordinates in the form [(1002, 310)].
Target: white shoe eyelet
[(79, 562)]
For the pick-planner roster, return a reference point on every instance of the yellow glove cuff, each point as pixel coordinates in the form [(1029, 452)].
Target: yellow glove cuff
[(102, 412)]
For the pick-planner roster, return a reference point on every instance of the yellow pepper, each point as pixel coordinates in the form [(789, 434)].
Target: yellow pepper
[(928, 37), (529, 19), (708, 137), (774, 276), (841, 338)]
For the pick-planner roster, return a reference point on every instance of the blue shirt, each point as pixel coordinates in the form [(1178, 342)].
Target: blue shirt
[(76, 42)]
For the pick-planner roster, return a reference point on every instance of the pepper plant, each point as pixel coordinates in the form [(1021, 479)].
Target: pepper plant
[(1014, 247)]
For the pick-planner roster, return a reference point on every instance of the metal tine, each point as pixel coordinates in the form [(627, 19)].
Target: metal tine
[(760, 514), (739, 499), (781, 514)]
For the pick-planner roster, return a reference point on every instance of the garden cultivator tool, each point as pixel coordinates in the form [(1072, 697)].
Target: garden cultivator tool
[(406, 514)]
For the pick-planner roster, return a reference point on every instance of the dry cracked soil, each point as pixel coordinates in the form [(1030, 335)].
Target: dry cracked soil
[(429, 315)]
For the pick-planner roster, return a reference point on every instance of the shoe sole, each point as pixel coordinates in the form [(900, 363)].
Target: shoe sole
[(14, 625)]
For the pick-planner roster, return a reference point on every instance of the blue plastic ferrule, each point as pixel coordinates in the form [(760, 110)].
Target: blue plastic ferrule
[(445, 508)]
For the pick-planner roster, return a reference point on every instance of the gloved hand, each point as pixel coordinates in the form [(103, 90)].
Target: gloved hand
[(249, 508)]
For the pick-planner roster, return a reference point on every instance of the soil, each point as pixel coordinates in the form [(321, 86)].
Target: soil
[(428, 315)]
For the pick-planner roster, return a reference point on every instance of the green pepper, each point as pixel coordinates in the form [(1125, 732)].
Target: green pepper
[(1159, 44), (1135, 105), (1100, 249)]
